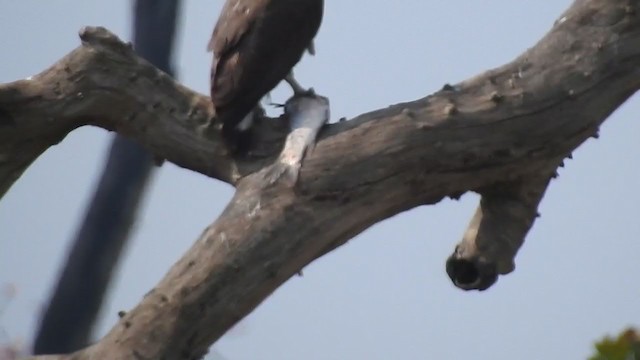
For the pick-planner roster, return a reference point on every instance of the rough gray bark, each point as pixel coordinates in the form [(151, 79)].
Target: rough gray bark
[(501, 134), (68, 320)]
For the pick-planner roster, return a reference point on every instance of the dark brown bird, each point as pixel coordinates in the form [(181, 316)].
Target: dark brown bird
[(256, 44)]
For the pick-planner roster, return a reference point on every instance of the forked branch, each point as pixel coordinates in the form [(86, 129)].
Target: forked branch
[(501, 134)]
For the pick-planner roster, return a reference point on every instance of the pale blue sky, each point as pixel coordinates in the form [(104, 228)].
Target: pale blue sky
[(385, 295)]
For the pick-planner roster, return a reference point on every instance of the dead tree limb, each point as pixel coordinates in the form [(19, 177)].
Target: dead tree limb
[(498, 130), (496, 232)]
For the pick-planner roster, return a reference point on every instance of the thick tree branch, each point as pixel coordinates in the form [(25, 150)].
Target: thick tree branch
[(502, 128), (104, 83)]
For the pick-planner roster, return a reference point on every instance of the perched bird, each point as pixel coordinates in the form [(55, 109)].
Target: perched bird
[(256, 44)]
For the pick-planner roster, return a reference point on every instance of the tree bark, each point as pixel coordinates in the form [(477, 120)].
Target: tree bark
[(501, 133)]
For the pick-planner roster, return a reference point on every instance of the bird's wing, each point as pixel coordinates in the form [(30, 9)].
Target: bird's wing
[(236, 20)]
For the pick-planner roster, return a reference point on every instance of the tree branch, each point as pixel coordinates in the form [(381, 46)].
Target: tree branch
[(496, 232), (501, 128), (104, 83)]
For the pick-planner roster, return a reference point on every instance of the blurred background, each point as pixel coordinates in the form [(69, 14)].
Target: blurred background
[(385, 294)]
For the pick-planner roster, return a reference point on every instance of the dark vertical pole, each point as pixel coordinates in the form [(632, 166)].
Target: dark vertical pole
[(68, 321)]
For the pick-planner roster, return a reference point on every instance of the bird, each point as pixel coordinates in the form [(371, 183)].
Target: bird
[(255, 45)]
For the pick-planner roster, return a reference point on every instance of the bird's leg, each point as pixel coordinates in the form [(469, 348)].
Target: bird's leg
[(298, 90)]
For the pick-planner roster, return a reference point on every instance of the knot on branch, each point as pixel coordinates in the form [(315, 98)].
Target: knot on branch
[(496, 233), (98, 36)]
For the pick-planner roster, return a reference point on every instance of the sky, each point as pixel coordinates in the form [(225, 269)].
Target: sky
[(385, 294)]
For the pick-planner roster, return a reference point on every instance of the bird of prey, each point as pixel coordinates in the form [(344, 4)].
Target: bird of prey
[(256, 44)]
